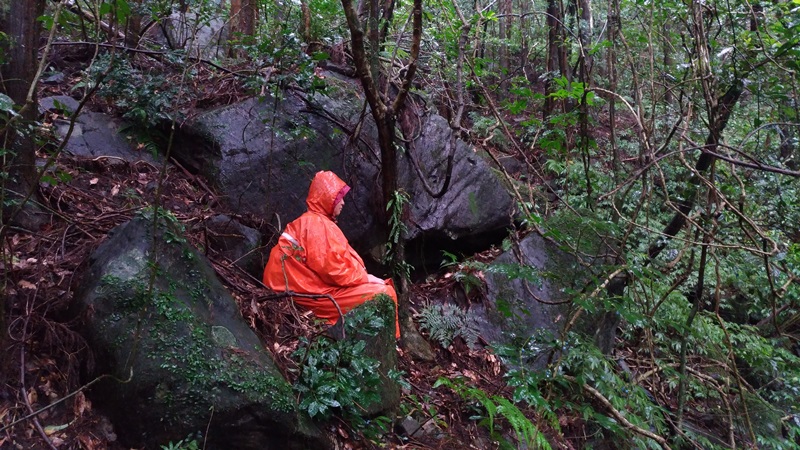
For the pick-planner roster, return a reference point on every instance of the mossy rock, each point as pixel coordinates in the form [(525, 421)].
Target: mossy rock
[(383, 348), (156, 313)]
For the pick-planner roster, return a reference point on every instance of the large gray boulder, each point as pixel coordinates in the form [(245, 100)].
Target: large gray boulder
[(238, 243), (155, 312), (532, 291), (474, 211), (262, 154), (94, 134)]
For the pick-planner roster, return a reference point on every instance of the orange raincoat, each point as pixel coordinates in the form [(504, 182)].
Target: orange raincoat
[(312, 256)]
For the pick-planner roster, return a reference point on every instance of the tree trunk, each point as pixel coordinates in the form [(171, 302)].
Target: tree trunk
[(384, 113), (305, 26), (720, 114), (611, 64), (556, 54), (18, 74), (666, 43), (242, 22), (504, 29), (133, 30), (585, 31)]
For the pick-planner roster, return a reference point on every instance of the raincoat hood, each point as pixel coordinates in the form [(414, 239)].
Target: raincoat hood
[(326, 190)]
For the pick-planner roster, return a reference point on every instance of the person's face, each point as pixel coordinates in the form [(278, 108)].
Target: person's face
[(338, 208)]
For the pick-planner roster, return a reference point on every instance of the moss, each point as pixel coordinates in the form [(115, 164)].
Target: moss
[(205, 357)]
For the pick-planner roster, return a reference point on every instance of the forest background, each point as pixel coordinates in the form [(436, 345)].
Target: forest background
[(668, 127)]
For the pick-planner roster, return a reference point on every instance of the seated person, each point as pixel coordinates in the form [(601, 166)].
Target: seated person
[(312, 256)]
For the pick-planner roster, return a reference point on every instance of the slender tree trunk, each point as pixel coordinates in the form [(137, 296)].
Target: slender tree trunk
[(384, 113), (243, 15), (18, 74), (556, 54), (613, 28), (133, 30), (669, 98), (584, 21), (686, 201), (387, 15), (506, 9), (17, 148), (305, 26), (585, 31)]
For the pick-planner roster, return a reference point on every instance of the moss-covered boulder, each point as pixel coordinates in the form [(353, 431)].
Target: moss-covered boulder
[(184, 360)]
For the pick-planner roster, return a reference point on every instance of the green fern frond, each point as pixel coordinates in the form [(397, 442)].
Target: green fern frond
[(445, 322), (495, 407)]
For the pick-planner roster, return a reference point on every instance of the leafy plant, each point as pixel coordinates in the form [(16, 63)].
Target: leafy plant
[(183, 444), (446, 322), (495, 407), (397, 228), (337, 375), (144, 97), (466, 273)]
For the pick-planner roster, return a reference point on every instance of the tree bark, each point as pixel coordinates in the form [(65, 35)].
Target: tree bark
[(585, 31), (504, 29), (556, 53), (133, 30), (611, 64), (18, 74), (243, 21), (305, 26)]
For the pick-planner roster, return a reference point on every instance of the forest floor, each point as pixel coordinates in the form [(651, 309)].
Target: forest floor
[(45, 366)]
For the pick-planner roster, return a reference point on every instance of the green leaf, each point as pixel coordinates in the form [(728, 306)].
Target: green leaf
[(47, 21), (6, 104)]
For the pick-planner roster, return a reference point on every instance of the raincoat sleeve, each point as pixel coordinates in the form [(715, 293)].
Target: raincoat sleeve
[(330, 256)]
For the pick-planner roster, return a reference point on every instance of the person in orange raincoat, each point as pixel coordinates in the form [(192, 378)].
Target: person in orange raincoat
[(312, 256)]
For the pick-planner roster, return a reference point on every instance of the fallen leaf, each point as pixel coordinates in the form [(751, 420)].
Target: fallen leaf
[(81, 405), (52, 429), (26, 285), (32, 396), (88, 442)]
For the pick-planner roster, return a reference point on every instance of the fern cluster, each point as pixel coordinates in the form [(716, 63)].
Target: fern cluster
[(445, 322), (495, 407)]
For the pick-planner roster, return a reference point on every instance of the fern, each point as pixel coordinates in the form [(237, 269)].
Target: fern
[(445, 322), (497, 406)]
